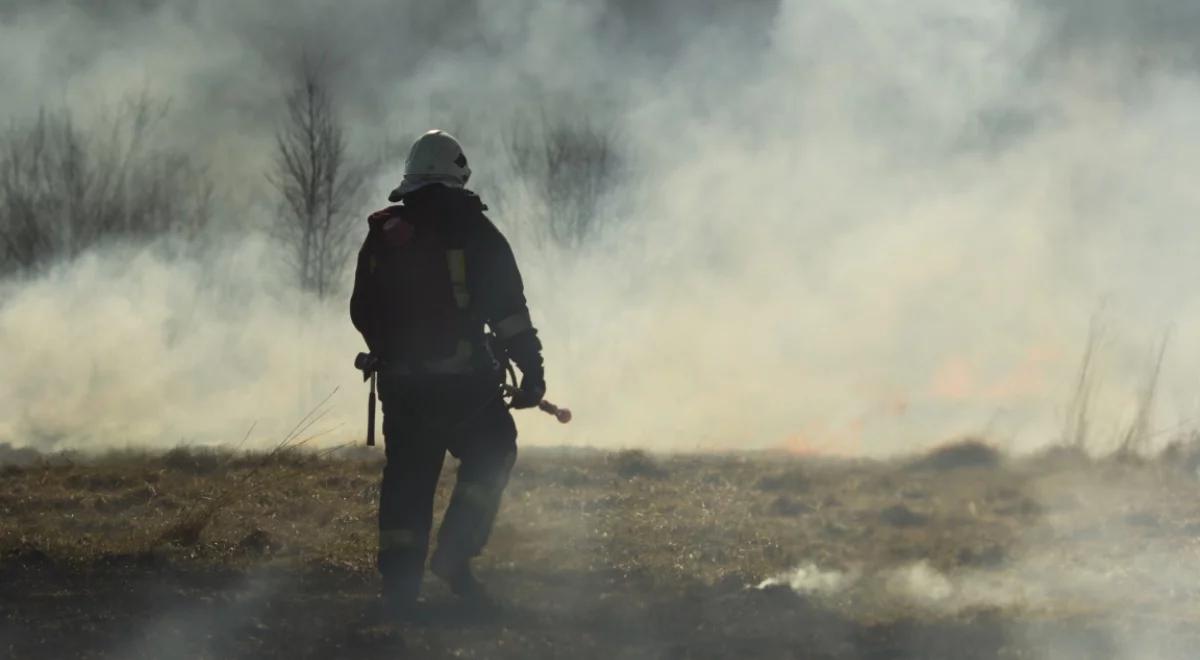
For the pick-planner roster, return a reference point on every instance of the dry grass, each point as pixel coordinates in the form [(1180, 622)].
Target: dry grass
[(596, 554)]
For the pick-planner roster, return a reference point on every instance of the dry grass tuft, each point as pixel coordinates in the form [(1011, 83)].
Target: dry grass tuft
[(637, 463), (899, 515), (17, 456), (193, 460), (969, 453), (792, 480), (1062, 457), (186, 530), (1183, 454), (788, 506)]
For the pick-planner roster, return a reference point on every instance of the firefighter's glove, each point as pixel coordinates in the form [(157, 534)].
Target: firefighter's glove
[(533, 388)]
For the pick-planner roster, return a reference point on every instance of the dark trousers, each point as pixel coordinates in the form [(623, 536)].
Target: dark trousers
[(421, 422)]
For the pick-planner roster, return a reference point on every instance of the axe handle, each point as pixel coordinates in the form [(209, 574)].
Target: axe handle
[(371, 413)]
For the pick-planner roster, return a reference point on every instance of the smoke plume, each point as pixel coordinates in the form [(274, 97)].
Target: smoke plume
[(835, 226)]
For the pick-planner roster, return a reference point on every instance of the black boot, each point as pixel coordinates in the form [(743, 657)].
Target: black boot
[(402, 566), (462, 536), (400, 598), (456, 573)]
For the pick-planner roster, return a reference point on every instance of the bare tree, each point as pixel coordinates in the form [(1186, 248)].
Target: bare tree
[(319, 183), (571, 162), (64, 189)]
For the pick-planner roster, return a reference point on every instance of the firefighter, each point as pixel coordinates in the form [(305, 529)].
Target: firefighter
[(431, 274)]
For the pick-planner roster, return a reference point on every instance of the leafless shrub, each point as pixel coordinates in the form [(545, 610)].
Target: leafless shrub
[(320, 185), (570, 162), (65, 188)]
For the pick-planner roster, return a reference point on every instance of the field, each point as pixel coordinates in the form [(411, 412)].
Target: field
[(959, 553)]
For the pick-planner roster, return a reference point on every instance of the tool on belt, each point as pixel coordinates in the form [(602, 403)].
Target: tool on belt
[(369, 366)]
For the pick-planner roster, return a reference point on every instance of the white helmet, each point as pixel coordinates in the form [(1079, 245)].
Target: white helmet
[(436, 157)]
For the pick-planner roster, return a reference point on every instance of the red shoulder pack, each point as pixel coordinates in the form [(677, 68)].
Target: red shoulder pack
[(422, 277), (396, 230)]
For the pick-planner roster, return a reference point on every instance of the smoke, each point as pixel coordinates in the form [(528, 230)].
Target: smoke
[(200, 630), (1102, 564), (139, 346), (810, 579), (915, 584), (839, 226), (1056, 610)]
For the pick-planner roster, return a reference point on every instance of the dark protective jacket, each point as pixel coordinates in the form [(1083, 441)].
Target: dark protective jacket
[(432, 272)]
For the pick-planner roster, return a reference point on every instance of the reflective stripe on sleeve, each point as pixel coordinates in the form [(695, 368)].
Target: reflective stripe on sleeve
[(457, 262), (400, 539), (477, 495), (513, 325)]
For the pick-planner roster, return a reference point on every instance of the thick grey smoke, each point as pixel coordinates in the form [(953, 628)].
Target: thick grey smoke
[(839, 225)]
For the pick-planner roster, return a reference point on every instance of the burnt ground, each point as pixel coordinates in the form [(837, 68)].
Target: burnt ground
[(960, 554)]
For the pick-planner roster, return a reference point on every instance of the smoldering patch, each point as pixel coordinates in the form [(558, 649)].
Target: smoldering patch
[(809, 579)]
